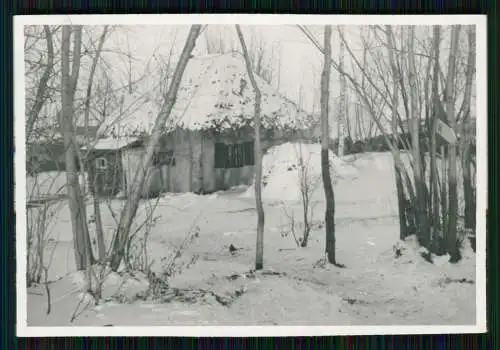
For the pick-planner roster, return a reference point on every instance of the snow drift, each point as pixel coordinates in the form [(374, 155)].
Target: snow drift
[(282, 172)]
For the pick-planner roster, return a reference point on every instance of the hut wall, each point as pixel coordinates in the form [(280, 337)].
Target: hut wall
[(154, 182), (209, 178), (194, 163), (131, 160), (194, 154), (107, 181), (180, 177)]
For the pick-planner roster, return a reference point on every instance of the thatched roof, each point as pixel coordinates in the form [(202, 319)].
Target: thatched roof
[(215, 93)]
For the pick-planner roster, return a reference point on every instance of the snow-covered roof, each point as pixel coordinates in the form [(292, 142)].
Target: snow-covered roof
[(113, 143), (209, 97)]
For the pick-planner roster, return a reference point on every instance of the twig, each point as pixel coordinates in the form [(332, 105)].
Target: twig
[(47, 289), (75, 313)]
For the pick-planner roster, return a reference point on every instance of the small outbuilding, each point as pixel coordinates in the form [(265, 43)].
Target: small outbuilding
[(208, 140)]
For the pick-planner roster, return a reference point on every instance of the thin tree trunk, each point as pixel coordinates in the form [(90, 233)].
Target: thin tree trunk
[(83, 252), (101, 247), (91, 77), (130, 209), (420, 187), (436, 234), (398, 165), (468, 184), (341, 116), (42, 86), (75, 72), (325, 162), (259, 254), (451, 238), (444, 192), (361, 110), (469, 193), (91, 174)]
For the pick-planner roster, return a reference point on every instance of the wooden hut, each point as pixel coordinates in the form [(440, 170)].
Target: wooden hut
[(208, 140)]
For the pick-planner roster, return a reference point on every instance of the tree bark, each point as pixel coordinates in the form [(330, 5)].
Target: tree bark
[(130, 209), (325, 161), (451, 239), (259, 254), (81, 240)]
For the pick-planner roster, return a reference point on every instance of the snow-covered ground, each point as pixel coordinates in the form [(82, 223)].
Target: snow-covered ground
[(376, 287)]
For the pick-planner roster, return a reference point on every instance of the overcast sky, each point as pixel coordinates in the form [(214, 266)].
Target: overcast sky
[(297, 65), (299, 61)]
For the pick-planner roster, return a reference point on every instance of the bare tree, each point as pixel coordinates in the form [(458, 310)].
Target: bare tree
[(130, 209), (451, 236), (81, 239), (308, 183), (259, 254), (325, 161), (420, 187), (418, 204), (398, 165), (467, 140), (96, 203), (342, 118), (434, 175)]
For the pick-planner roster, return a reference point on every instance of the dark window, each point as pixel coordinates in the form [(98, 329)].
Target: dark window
[(164, 158), (101, 163), (220, 156), (234, 155)]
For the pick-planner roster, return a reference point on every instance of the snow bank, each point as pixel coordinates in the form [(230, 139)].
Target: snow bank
[(365, 177), (281, 169)]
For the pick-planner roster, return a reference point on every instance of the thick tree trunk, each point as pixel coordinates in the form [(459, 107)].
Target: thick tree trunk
[(81, 239), (130, 209), (259, 252), (451, 239), (325, 162)]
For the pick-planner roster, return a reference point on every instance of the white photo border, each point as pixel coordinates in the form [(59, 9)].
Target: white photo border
[(249, 19)]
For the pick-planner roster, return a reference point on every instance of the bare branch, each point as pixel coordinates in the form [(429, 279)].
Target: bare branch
[(42, 85)]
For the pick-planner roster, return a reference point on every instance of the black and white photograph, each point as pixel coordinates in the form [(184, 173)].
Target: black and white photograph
[(250, 175)]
